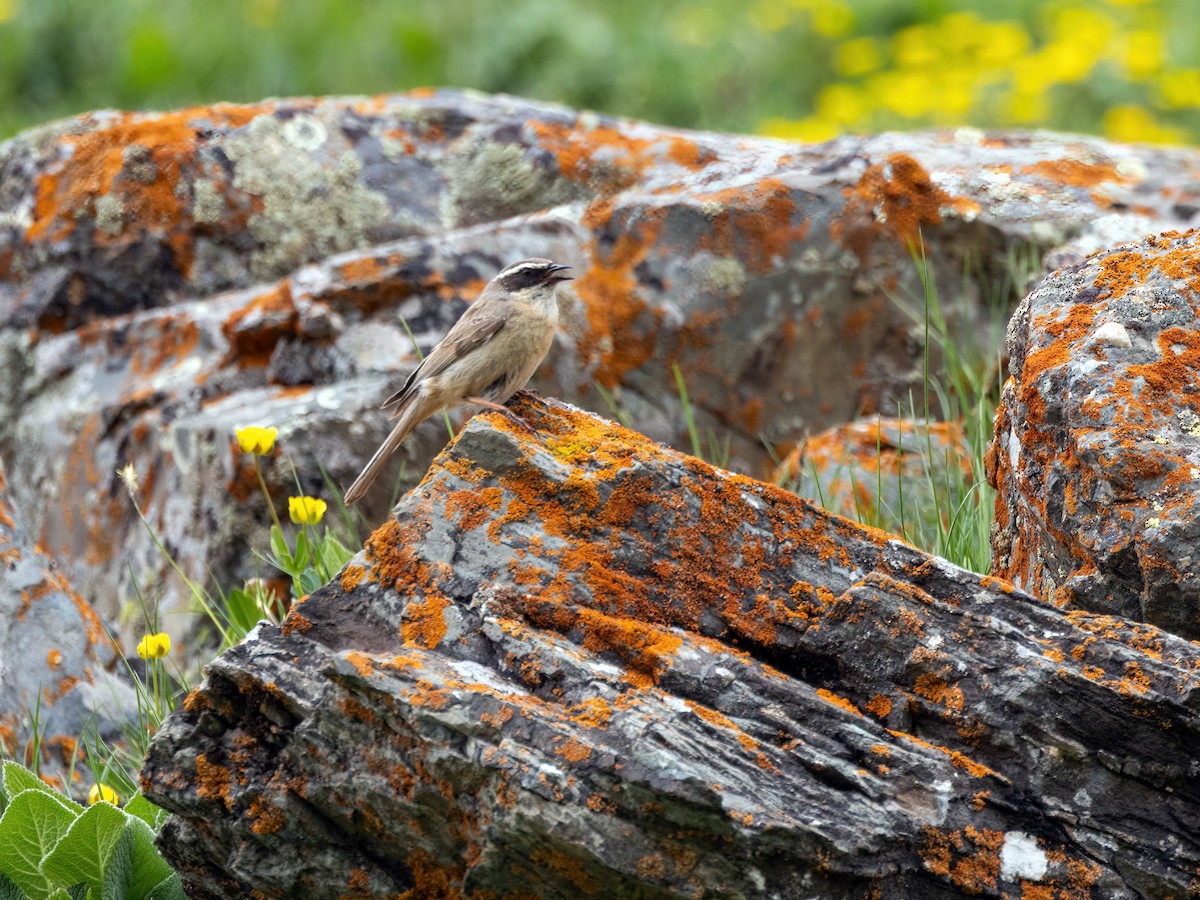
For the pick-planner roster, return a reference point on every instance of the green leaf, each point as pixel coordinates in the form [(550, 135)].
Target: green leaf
[(150, 813), (302, 555), (9, 889), (17, 778), (147, 867), (30, 828), (279, 547), (310, 580), (82, 854), (334, 553), (168, 889), (243, 611)]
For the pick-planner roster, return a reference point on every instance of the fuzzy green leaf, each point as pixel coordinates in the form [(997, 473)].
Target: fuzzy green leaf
[(83, 853), (334, 553), (309, 581), (148, 812), (147, 867), (17, 778), (168, 889), (9, 889), (33, 824)]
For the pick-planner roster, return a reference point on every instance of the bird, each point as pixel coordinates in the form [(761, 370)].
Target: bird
[(485, 358)]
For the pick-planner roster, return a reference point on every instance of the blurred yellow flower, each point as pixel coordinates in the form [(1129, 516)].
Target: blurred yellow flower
[(1136, 124), (102, 792), (858, 56), (843, 103), (154, 646), (257, 440), (1001, 43), (1026, 107), (907, 94), (767, 15), (832, 18), (810, 130), (1142, 54), (306, 510), (913, 47), (1179, 89)]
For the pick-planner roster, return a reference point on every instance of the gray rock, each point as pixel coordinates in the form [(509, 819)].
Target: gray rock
[(61, 679), (577, 662)]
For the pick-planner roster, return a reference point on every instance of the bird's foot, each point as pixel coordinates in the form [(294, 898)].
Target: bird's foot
[(503, 410), (528, 396)]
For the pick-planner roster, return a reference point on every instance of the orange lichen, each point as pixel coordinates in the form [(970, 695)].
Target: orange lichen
[(830, 697), (424, 622), (898, 198), (879, 706), (295, 621), (352, 577), (264, 817), (573, 750), (756, 224), (472, 508), (96, 168), (255, 329), (364, 664), (594, 712), (54, 659), (213, 782), (623, 328), (1075, 172)]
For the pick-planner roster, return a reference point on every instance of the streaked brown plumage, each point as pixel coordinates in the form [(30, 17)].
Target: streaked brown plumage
[(485, 358)]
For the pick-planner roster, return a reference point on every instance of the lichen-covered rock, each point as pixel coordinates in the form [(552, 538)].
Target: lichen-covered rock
[(165, 277), (58, 667), (1097, 449), (575, 662)]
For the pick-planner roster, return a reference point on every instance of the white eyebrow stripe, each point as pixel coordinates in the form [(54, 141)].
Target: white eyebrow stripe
[(524, 266)]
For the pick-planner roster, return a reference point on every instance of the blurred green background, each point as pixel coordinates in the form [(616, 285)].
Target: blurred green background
[(804, 69)]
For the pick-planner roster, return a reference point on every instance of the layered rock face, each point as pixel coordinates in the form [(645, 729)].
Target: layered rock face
[(1097, 449), (167, 277), (575, 662), (61, 679)]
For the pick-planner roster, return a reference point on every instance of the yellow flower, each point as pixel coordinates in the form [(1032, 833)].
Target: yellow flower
[(306, 510), (102, 792), (154, 646), (858, 56), (257, 440)]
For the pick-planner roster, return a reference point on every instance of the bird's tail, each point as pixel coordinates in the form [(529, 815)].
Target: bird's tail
[(410, 416)]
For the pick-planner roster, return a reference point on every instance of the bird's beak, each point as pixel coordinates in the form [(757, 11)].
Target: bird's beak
[(553, 275)]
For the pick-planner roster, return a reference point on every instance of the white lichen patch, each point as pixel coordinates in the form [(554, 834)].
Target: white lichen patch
[(1022, 858), (313, 203), (110, 215), (208, 206)]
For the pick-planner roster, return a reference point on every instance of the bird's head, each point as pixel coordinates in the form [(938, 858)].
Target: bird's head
[(529, 277)]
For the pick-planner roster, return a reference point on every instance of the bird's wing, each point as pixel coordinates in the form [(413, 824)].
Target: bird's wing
[(469, 332)]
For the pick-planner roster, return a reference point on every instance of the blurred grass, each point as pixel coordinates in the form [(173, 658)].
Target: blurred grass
[(802, 69)]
